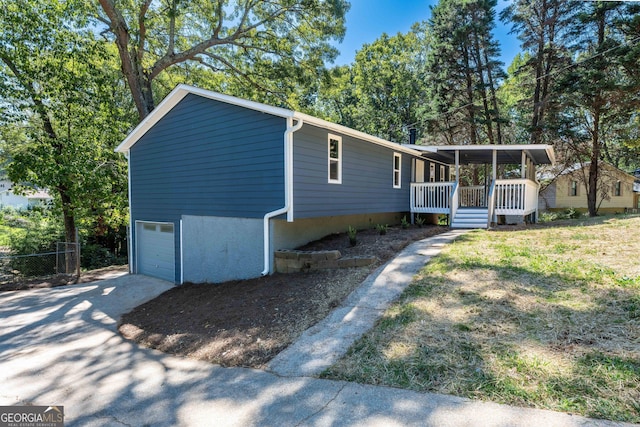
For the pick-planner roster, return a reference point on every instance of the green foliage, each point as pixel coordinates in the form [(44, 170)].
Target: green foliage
[(259, 49), (464, 73), (352, 234), (40, 236), (382, 228), (69, 109), (404, 223)]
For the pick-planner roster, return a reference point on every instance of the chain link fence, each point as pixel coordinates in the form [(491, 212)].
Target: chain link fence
[(63, 264)]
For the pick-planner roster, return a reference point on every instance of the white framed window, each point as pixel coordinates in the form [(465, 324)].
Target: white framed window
[(617, 189), (397, 170), (442, 177), (432, 172), (573, 188), (334, 158)]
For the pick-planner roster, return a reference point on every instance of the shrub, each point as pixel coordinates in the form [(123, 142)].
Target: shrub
[(382, 228), (404, 223), (352, 233)]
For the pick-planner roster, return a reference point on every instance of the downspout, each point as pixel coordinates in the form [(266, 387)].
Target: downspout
[(131, 231), (288, 191)]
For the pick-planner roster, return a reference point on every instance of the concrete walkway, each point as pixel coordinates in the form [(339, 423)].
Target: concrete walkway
[(60, 347), (323, 344)]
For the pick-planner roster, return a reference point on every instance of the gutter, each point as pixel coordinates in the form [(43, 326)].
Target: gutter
[(288, 191)]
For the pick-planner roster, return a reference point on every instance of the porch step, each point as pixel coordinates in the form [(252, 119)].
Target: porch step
[(470, 218)]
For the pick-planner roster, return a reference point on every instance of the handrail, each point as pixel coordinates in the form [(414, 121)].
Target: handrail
[(491, 203), (454, 202)]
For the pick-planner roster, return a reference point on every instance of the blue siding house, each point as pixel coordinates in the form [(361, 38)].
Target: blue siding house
[(218, 183)]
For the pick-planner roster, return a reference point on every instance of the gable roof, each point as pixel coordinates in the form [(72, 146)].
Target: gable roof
[(183, 90)]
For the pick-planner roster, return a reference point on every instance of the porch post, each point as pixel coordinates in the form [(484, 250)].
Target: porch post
[(458, 166), (494, 172), (523, 164)]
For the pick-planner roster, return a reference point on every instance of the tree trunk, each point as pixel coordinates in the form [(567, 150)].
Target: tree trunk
[(469, 89)]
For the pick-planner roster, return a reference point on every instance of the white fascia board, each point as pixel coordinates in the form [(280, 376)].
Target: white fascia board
[(310, 120), (183, 90)]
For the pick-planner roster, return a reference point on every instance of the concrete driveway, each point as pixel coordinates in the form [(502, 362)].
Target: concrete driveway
[(60, 347)]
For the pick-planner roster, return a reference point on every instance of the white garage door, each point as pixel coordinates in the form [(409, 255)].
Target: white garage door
[(156, 250)]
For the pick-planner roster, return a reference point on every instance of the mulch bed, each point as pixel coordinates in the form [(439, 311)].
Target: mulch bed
[(248, 322)]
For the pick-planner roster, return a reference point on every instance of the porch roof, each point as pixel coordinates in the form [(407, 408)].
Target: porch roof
[(540, 154)]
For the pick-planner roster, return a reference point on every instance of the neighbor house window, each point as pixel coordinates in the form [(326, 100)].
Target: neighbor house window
[(432, 172), (397, 170), (442, 177), (573, 188), (335, 159), (617, 189)]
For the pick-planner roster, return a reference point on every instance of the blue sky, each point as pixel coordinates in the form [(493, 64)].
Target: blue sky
[(368, 19)]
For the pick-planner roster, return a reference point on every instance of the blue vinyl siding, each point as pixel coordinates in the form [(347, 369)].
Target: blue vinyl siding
[(367, 177), (208, 158)]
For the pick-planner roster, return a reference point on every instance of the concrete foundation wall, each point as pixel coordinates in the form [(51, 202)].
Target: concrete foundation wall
[(218, 249), (290, 235)]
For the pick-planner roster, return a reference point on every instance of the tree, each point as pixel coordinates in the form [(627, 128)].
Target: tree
[(464, 73), (543, 28), (601, 90), (388, 77), (265, 44), (60, 93)]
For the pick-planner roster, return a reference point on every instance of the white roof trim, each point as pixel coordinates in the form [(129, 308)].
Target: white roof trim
[(183, 90), (489, 147)]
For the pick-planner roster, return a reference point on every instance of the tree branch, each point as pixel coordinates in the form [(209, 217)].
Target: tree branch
[(35, 98), (143, 29)]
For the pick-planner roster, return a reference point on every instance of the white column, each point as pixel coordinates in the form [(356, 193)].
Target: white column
[(458, 166), (494, 172), (523, 165)]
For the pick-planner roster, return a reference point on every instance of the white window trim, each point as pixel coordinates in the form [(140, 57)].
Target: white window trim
[(338, 160), (398, 171), (442, 171), (432, 172)]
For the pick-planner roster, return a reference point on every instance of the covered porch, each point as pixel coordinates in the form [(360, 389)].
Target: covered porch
[(478, 206)]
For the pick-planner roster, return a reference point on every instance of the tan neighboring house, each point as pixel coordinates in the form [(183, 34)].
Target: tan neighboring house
[(617, 190)]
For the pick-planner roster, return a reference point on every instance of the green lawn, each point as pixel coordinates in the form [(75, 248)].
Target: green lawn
[(547, 317)]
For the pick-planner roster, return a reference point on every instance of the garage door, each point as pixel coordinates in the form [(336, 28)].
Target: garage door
[(156, 250)]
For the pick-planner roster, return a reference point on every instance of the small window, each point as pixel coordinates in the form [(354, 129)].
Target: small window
[(335, 159), (149, 227), (442, 177), (573, 188), (432, 172), (397, 170), (617, 189), (166, 228)]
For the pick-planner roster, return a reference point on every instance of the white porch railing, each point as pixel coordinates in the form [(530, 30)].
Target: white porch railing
[(516, 197), (507, 197), (431, 197), (474, 196)]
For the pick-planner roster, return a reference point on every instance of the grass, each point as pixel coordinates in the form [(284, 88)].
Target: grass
[(547, 317)]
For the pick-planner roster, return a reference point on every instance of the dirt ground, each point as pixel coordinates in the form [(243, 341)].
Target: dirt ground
[(246, 323)]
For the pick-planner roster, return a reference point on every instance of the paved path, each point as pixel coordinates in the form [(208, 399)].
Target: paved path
[(323, 344), (60, 347)]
